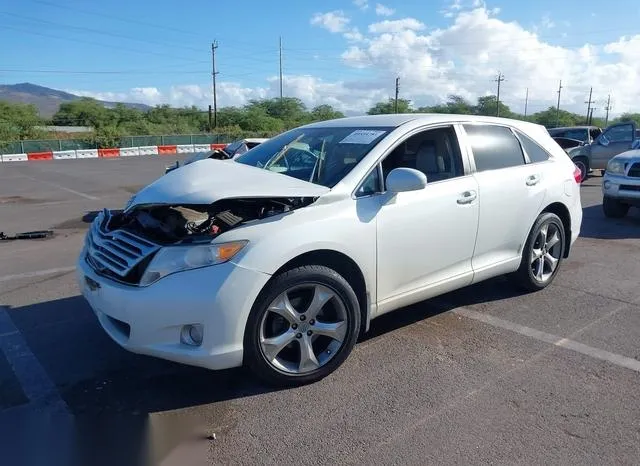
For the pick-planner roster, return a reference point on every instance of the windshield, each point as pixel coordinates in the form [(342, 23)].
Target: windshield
[(320, 155)]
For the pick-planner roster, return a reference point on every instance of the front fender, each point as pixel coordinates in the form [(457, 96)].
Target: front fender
[(580, 151)]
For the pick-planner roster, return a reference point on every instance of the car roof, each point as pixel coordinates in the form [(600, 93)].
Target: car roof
[(562, 128), (257, 140), (397, 119)]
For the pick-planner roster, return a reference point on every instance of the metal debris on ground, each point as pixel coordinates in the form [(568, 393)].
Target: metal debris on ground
[(27, 235)]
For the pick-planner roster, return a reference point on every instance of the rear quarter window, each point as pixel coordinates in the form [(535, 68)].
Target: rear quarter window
[(533, 150)]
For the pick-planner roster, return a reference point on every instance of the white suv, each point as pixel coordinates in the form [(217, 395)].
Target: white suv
[(281, 258)]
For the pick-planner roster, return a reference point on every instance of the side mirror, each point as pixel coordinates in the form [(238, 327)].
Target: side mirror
[(405, 179), (603, 141)]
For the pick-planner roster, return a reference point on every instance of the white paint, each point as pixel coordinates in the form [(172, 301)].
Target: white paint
[(148, 150), (64, 188), (36, 273), (184, 148), (64, 155), (34, 380), (129, 151), (15, 158), (617, 359), (87, 153)]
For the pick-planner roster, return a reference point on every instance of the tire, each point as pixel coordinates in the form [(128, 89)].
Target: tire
[(529, 276), (583, 164), (282, 365), (613, 208)]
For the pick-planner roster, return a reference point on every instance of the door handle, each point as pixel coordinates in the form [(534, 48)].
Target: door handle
[(467, 197), (533, 180)]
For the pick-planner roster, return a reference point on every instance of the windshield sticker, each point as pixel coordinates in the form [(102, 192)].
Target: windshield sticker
[(362, 136)]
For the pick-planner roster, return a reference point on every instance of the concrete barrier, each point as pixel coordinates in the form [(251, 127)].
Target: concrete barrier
[(184, 148), (87, 153), (129, 151), (64, 155), (15, 158), (148, 150)]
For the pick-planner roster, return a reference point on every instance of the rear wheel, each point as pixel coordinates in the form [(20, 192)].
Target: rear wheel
[(302, 326), (583, 165), (613, 208), (542, 254)]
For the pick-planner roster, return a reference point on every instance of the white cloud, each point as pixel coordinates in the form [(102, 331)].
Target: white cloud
[(396, 26), (333, 21), (362, 4), (382, 10), (461, 58)]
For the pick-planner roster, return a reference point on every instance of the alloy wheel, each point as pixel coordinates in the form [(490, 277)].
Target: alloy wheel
[(303, 328), (546, 252)]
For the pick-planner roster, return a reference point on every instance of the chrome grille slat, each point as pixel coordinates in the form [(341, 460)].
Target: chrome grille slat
[(118, 251)]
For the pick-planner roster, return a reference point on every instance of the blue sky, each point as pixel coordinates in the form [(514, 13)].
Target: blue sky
[(160, 51)]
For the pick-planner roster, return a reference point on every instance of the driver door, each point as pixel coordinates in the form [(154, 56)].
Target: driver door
[(615, 140), (426, 238)]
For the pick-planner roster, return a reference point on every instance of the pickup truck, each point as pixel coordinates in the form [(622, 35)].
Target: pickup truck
[(614, 140)]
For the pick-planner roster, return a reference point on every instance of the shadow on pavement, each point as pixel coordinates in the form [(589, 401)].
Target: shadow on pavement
[(595, 225)]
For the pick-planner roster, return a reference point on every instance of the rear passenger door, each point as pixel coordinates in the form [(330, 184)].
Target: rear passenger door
[(511, 189)]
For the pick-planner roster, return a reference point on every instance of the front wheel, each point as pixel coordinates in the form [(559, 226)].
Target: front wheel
[(302, 327), (542, 254), (613, 208)]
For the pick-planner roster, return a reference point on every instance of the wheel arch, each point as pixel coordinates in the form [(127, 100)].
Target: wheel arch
[(562, 211), (345, 266)]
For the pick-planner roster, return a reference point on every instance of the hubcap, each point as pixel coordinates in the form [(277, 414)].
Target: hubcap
[(303, 328), (546, 251)]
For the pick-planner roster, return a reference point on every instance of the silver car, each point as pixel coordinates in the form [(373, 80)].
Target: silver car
[(621, 184)]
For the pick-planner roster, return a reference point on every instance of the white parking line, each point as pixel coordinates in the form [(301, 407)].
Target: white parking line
[(555, 340), (34, 380), (37, 273), (64, 188)]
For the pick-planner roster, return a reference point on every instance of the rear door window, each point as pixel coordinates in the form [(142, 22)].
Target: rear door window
[(494, 147)]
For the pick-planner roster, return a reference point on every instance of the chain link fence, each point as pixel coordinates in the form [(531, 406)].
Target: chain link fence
[(46, 145)]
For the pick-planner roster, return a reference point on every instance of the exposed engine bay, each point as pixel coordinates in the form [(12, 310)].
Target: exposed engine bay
[(167, 224)]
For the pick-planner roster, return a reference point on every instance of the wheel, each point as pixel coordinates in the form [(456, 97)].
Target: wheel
[(613, 208), (542, 253), (583, 164), (302, 327)]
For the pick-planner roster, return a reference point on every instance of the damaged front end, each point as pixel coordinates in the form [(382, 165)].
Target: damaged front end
[(122, 244)]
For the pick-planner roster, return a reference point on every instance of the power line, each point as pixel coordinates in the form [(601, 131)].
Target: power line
[(589, 102), (558, 106), (499, 79), (214, 46), (280, 68)]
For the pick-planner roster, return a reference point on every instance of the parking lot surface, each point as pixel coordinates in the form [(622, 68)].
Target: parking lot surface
[(481, 375)]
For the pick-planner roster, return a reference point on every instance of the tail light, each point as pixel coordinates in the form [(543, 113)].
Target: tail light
[(577, 174)]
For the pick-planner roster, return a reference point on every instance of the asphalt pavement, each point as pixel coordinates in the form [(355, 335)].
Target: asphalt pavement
[(481, 375)]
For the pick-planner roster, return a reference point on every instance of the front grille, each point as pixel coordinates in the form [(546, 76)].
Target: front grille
[(116, 253), (634, 171), (627, 187)]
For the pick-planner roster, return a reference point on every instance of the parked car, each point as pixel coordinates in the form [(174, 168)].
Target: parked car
[(281, 265), (230, 151), (621, 184), (614, 140), (572, 136)]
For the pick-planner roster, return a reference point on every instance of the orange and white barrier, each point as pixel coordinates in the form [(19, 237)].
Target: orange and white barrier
[(110, 152)]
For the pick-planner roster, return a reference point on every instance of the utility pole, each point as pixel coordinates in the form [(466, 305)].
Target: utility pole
[(214, 46), (280, 69), (558, 107), (590, 120), (499, 79), (589, 102), (397, 92), (607, 108), (526, 102)]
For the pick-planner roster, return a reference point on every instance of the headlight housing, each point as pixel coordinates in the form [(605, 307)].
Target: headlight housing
[(174, 259), (615, 167)]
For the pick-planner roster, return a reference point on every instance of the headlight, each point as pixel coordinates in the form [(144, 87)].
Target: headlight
[(179, 258), (615, 167)]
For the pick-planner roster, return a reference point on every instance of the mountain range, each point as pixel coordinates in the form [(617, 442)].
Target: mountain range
[(47, 100)]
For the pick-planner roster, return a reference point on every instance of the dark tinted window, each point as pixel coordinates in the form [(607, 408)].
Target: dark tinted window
[(621, 133), (371, 184), (494, 147), (533, 150)]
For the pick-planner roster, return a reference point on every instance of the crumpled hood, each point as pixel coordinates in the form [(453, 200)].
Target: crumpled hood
[(209, 180)]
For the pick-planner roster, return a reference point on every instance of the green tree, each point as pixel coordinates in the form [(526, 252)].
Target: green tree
[(18, 121), (325, 112), (404, 106), (487, 106), (635, 117), (551, 118), (84, 112), (455, 105)]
